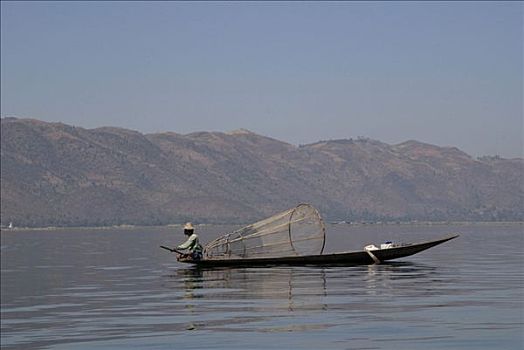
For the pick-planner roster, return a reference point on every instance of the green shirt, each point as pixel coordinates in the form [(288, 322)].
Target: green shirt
[(191, 244)]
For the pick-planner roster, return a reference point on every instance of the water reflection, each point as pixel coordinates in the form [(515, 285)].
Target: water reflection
[(306, 288), (285, 287), (384, 278), (290, 299)]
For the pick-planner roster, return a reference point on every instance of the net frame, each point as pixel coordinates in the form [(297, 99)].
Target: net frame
[(233, 245)]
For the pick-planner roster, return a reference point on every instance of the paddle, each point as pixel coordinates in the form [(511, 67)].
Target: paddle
[(171, 250)]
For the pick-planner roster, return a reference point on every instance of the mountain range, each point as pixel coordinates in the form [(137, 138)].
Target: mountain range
[(53, 174)]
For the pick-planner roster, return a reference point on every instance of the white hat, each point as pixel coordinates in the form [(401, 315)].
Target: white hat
[(188, 226)]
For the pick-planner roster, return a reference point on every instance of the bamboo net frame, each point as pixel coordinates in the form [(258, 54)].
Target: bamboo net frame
[(297, 231)]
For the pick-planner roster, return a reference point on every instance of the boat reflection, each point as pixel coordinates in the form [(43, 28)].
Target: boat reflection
[(285, 287), (399, 278), (307, 288)]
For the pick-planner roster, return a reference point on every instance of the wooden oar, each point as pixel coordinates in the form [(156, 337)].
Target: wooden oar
[(171, 249)]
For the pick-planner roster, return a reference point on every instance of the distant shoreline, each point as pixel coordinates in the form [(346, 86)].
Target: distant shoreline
[(355, 224)]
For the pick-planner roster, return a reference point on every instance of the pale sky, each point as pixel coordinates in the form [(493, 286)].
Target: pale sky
[(446, 73)]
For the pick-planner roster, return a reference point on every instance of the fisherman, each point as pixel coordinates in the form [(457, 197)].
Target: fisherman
[(191, 245)]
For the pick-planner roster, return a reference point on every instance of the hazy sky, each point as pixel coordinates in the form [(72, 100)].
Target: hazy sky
[(445, 73)]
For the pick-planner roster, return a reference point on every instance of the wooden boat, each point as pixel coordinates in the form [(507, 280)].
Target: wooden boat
[(364, 257)]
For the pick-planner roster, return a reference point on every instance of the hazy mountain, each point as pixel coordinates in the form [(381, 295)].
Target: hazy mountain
[(57, 174)]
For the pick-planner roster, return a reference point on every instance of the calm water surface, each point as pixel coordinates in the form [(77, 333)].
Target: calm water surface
[(115, 289)]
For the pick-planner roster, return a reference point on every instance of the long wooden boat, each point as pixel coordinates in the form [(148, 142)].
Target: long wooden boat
[(363, 257)]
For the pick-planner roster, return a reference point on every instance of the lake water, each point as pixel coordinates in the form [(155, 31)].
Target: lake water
[(115, 289)]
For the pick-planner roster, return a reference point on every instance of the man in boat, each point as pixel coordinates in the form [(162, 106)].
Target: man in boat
[(191, 245)]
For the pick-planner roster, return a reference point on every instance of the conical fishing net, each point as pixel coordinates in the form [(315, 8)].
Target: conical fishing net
[(297, 231)]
